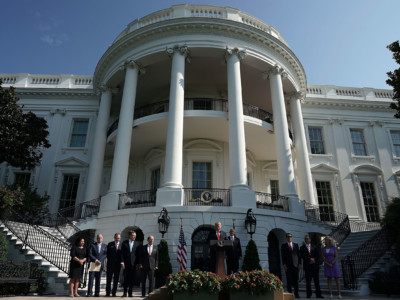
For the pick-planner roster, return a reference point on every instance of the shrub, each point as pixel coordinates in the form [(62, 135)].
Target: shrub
[(392, 221), (3, 247), (251, 260)]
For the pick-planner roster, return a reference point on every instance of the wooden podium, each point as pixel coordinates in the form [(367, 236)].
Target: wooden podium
[(219, 247)]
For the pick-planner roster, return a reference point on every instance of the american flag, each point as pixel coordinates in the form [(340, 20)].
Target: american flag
[(182, 251)]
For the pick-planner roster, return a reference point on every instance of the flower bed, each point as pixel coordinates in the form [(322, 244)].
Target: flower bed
[(257, 282), (193, 282)]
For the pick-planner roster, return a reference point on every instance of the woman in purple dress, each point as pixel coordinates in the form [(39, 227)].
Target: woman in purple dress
[(331, 267)]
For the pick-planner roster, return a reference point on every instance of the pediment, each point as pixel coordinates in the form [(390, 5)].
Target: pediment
[(202, 145), (250, 158), (270, 166), (71, 162), (366, 169), (154, 153), (324, 168)]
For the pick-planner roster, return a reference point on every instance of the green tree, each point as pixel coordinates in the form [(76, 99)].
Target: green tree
[(392, 221), (394, 78), (3, 247), (164, 263), (251, 260), (22, 135)]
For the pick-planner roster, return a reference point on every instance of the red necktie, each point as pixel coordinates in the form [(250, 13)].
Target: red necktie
[(218, 235)]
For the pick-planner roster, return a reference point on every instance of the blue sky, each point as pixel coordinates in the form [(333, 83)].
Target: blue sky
[(340, 42)]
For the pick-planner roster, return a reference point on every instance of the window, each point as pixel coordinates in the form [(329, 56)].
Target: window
[(69, 190), (357, 138), (316, 140), (79, 133), (370, 203), (274, 189), (396, 142), (22, 179), (325, 201), (202, 175), (155, 179)]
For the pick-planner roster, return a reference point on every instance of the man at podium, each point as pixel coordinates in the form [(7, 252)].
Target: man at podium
[(215, 235)]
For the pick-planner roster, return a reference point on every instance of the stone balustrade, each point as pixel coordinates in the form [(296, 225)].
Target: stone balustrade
[(329, 91), (201, 11), (47, 81)]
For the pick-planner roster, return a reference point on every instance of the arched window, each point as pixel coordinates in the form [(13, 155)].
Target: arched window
[(200, 248)]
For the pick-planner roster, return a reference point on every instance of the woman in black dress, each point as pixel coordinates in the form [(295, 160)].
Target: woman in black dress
[(78, 258)]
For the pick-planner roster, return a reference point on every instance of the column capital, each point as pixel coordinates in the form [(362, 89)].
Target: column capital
[(240, 53), (276, 70), (295, 96), (183, 50), (103, 88), (132, 64)]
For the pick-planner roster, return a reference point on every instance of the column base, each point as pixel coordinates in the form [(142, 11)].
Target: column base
[(109, 202), (243, 197), (296, 206), (169, 196)]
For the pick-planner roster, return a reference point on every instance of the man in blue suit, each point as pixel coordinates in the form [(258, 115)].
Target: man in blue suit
[(97, 255)]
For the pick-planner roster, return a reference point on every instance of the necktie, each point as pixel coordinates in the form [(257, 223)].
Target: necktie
[(309, 248), (116, 245), (149, 250), (290, 245), (218, 235), (130, 245)]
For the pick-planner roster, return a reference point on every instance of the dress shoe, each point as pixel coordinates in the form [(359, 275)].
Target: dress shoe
[(124, 295), (89, 295), (320, 296), (97, 295), (130, 295), (107, 295), (114, 295), (297, 296)]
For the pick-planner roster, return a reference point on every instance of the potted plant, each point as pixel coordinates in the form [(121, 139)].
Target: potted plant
[(257, 283), (164, 264), (195, 284)]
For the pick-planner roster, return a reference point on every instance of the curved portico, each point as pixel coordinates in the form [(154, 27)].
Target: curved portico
[(214, 69)]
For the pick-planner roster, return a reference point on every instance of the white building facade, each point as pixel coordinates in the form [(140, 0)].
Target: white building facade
[(206, 111)]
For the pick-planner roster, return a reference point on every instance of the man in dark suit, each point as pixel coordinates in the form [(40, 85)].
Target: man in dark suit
[(310, 257), (114, 257), (130, 251), (233, 254), (216, 234), (97, 255), (148, 263), (290, 259)]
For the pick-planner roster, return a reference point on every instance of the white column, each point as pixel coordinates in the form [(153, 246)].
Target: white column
[(119, 173), (241, 195), (98, 147), (237, 142), (304, 172), (174, 147), (171, 193), (281, 130)]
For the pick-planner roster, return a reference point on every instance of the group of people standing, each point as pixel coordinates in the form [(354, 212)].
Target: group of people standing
[(128, 255), (311, 257)]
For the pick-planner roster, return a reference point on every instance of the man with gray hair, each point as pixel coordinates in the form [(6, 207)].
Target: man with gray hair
[(97, 255), (310, 256)]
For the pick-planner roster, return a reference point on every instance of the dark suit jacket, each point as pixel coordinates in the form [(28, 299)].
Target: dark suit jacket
[(148, 262), (234, 252), (94, 253), (290, 258), (130, 259), (306, 256), (213, 235), (114, 255)]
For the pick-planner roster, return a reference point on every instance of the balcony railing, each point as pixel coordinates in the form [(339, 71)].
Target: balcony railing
[(207, 197), (196, 104), (137, 199), (82, 210), (273, 202)]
